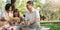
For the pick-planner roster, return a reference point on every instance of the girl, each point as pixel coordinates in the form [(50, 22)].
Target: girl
[(16, 17)]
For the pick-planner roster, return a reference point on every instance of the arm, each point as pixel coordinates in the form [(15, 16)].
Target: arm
[(0, 16), (37, 17), (26, 22), (3, 16)]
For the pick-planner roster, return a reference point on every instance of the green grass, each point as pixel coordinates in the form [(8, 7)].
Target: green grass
[(52, 26), (50, 21)]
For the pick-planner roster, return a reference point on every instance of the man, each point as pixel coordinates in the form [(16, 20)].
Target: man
[(32, 19)]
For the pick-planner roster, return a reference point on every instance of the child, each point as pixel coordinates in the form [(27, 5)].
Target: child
[(16, 17)]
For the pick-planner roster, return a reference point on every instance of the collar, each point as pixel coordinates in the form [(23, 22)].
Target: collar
[(32, 10)]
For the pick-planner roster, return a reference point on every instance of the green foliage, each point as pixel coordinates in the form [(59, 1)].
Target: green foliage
[(3, 3), (52, 26), (22, 6), (44, 9)]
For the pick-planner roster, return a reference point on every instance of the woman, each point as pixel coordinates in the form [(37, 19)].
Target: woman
[(8, 12)]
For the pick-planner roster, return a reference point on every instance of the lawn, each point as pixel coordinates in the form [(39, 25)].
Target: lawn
[(53, 25)]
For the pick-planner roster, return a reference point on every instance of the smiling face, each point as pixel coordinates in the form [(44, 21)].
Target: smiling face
[(29, 7), (10, 8), (16, 14)]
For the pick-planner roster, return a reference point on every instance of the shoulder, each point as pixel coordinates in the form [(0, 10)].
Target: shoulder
[(36, 11), (26, 13), (3, 11)]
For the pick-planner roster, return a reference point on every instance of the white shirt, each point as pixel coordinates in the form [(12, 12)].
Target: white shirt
[(31, 16), (7, 15), (0, 15)]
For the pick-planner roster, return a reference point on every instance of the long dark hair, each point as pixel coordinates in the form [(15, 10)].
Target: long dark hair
[(16, 10), (7, 6)]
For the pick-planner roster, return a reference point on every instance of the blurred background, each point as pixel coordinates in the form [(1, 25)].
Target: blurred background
[(49, 11)]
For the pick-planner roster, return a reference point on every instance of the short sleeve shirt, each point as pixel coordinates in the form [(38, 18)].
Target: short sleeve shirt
[(0, 15), (31, 16), (6, 15)]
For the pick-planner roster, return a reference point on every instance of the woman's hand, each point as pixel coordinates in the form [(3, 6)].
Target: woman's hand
[(3, 19)]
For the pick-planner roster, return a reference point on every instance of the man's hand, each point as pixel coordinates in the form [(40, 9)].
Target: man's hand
[(36, 20), (27, 23)]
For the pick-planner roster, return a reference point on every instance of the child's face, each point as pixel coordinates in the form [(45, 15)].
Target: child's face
[(16, 14)]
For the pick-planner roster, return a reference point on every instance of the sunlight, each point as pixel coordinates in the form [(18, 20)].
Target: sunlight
[(43, 1)]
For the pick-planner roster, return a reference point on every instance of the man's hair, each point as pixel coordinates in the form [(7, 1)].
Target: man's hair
[(30, 2)]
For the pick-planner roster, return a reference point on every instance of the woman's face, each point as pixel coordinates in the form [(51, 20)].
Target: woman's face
[(10, 9)]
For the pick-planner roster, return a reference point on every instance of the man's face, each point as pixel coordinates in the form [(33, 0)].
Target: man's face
[(29, 6)]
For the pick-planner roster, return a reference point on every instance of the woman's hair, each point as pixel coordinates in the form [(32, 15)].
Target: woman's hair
[(7, 6), (16, 11)]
